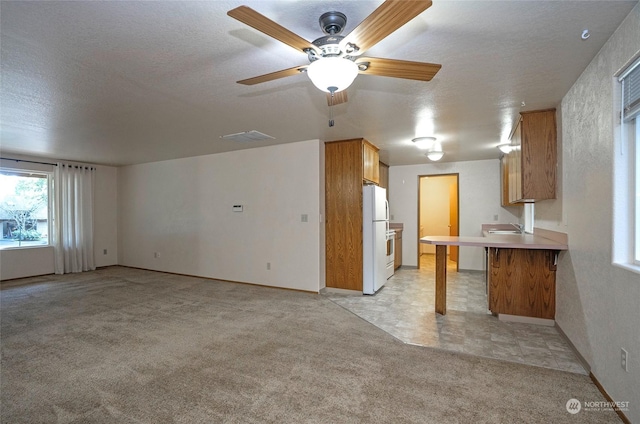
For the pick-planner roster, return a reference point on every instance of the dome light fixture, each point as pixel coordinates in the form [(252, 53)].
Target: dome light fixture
[(424, 142), (505, 148), (435, 153), (332, 74)]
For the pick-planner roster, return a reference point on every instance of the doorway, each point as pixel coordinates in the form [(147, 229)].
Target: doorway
[(438, 212)]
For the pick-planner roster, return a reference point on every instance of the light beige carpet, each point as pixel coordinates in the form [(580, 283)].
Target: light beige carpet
[(122, 345)]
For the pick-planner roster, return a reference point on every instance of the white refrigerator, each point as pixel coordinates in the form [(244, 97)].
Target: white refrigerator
[(375, 226)]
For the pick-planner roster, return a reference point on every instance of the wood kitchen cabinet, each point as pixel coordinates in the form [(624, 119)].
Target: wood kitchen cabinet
[(384, 177), (348, 165), (504, 180), (530, 168), (397, 258), (370, 162), (522, 282)]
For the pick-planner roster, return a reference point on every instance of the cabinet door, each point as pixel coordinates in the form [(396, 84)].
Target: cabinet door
[(522, 282), (384, 177), (539, 155), (515, 166), (504, 180), (370, 162), (397, 258)]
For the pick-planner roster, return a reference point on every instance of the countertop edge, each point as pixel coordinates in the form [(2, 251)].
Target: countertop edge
[(515, 241)]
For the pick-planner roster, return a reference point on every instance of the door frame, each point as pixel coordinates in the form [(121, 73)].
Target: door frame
[(449, 174)]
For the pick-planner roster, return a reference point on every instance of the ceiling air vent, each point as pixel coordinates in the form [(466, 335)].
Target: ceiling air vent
[(247, 136)]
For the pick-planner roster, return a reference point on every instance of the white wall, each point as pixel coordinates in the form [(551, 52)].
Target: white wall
[(19, 263), (598, 305), (182, 209), (479, 187)]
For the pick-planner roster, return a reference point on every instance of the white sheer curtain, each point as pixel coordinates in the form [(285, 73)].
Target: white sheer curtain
[(73, 218)]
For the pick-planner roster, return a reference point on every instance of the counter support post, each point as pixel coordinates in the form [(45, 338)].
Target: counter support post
[(441, 279)]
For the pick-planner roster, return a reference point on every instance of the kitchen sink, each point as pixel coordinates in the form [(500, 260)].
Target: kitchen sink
[(504, 232)]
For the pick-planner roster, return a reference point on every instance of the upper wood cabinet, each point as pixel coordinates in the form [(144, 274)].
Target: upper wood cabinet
[(384, 177), (531, 166), (370, 162), (504, 180)]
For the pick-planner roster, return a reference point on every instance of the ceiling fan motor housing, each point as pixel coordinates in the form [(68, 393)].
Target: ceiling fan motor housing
[(332, 23), (329, 45)]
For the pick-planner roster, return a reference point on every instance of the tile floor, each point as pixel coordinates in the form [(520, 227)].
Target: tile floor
[(404, 308)]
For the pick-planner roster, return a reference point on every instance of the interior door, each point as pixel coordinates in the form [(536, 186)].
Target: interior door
[(453, 219)]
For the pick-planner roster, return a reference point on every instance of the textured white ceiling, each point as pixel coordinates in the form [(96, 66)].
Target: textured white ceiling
[(118, 83)]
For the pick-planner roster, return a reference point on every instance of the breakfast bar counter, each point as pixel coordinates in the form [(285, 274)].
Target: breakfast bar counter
[(540, 239)]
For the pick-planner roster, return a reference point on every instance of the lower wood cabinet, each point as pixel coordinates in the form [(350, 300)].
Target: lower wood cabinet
[(397, 258), (522, 282)]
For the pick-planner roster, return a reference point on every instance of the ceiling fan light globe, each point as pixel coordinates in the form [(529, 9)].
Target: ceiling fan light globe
[(332, 73)]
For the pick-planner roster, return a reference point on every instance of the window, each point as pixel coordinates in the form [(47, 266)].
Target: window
[(626, 170), (24, 208)]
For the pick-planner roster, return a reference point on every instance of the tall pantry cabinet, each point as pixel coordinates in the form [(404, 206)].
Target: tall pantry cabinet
[(349, 164)]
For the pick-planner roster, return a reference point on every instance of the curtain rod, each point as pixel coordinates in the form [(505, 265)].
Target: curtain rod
[(29, 161), (47, 163)]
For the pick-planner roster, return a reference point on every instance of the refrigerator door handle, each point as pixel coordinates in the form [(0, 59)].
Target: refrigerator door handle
[(386, 210)]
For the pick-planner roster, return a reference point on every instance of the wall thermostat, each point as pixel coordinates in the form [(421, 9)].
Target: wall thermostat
[(237, 208)]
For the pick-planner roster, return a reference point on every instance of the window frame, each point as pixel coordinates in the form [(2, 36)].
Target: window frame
[(626, 177), (49, 178)]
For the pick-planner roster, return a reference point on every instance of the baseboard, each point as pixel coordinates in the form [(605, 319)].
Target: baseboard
[(526, 320), (621, 414), (28, 276), (583, 361), (220, 279), (340, 291)]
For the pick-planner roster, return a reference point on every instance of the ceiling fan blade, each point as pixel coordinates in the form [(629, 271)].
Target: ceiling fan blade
[(388, 17), (265, 25), (339, 97), (420, 71), (273, 75)]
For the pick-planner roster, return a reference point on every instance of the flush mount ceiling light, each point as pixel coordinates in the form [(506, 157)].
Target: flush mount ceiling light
[(332, 74), (435, 153), (505, 148), (424, 142)]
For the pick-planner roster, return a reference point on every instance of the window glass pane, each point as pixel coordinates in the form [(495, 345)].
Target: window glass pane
[(24, 209)]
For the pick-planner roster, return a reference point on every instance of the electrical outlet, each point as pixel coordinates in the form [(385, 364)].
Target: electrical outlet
[(268, 265), (624, 359), (495, 217), (104, 252), (304, 218), (156, 255)]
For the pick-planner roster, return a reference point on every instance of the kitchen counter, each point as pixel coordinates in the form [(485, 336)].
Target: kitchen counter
[(540, 239), (507, 241)]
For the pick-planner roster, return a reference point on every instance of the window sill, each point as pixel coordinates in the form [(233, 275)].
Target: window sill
[(42, 246), (628, 266)]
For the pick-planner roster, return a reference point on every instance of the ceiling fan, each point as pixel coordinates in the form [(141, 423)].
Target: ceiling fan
[(335, 60)]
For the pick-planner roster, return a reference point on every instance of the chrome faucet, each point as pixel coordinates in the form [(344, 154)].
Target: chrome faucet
[(519, 227)]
